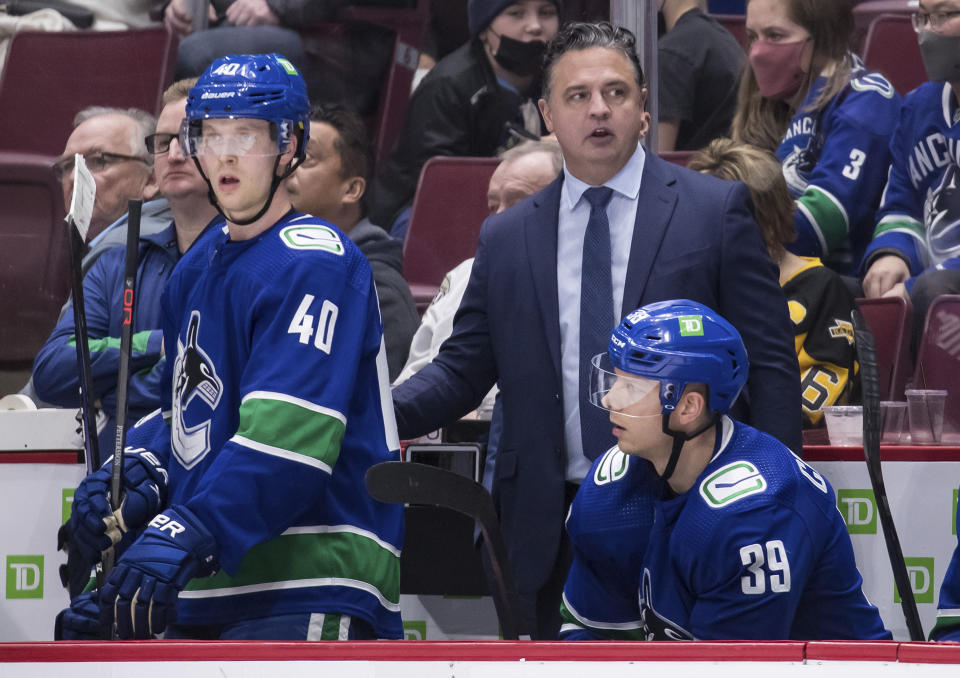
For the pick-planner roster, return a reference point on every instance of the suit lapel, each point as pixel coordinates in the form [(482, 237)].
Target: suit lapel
[(655, 205), (540, 231)]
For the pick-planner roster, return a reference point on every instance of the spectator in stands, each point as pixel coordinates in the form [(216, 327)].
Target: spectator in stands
[(473, 102), (111, 142), (700, 65), (617, 229), (806, 97), (916, 245), (330, 184), (819, 301), (55, 377)]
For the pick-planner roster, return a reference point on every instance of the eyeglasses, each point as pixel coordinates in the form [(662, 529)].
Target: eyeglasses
[(96, 161), (160, 142), (934, 20)]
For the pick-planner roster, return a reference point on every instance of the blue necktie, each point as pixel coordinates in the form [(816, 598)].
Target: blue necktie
[(596, 318)]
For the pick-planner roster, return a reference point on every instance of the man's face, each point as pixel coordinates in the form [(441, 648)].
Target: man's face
[(238, 157), (514, 180), (318, 186), (950, 25), (177, 175), (119, 180), (635, 412), (524, 20), (596, 109)]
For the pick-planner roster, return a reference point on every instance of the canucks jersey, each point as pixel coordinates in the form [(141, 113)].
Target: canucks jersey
[(756, 549), (820, 306), (280, 403), (835, 163), (920, 212)]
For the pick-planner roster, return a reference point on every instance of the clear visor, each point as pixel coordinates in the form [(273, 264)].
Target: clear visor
[(196, 142), (616, 392)]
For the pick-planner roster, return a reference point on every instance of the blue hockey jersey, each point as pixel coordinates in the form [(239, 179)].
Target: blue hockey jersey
[(835, 162), (920, 213), (280, 403), (948, 607), (756, 549)]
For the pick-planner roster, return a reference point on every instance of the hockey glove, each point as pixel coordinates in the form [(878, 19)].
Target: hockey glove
[(94, 527), (80, 621), (140, 594)]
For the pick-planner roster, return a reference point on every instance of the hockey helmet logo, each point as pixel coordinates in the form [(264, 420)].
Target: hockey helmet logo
[(194, 375), (655, 626), (941, 214)]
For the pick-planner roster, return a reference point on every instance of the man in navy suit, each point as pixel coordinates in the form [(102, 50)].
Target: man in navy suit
[(667, 233)]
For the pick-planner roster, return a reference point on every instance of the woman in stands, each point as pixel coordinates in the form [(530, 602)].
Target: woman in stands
[(806, 97), (476, 100)]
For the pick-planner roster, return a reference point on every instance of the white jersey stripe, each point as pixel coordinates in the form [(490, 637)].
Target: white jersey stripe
[(279, 452), (589, 623), (334, 529), (293, 584)]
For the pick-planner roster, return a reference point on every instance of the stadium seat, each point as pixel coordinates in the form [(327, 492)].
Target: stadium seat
[(865, 12), (448, 208), (938, 358), (677, 157), (34, 262), (48, 77), (890, 319), (891, 48), (736, 24)]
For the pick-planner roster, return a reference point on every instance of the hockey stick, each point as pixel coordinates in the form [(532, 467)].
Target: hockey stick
[(123, 372), (398, 482), (869, 380)]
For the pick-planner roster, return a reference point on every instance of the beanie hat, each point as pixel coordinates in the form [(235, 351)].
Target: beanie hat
[(481, 12)]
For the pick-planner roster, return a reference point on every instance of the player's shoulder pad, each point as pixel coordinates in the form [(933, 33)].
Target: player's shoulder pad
[(731, 483), (611, 466), (312, 236)]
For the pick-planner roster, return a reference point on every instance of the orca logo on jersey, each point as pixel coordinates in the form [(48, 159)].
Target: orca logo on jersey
[(194, 375), (941, 215), (613, 466), (656, 626), (796, 167)]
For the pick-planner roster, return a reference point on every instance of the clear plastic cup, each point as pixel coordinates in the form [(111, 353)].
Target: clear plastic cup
[(844, 425), (926, 415), (893, 419)]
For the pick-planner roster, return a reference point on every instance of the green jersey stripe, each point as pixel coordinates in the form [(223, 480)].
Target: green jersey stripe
[(333, 529), (615, 631), (314, 557), (293, 400), (900, 224), (826, 215), (284, 454), (280, 427), (294, 584), (138, 344)]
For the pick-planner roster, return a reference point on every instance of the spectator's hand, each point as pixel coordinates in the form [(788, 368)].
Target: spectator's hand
[(884, 273), (251, 13), (898, 290), (178, 17)]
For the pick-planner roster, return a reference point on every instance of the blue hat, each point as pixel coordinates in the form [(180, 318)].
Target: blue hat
[(481, 12)]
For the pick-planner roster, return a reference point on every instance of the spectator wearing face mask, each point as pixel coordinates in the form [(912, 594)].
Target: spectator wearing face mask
[(476, 100)]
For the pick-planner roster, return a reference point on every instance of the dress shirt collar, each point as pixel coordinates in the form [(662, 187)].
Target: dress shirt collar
[(626, 182)]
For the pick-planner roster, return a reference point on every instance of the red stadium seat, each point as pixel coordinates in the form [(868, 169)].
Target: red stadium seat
[(865, 12), (677, 157), (891, 48), (736, 24), (938, 358), (890, 319), (34, 262), (448, 208), (48, 77)]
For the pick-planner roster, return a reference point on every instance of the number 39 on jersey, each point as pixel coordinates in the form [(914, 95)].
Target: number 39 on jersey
[(320, 327)]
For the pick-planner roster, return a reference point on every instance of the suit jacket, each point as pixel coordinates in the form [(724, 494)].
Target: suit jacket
[(694, 237)]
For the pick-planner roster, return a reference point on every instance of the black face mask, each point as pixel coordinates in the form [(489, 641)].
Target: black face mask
[(522, 58)]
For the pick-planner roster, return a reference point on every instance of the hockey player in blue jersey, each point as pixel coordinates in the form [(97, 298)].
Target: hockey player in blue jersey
[(249, 486), (806, 97), (745, 540)]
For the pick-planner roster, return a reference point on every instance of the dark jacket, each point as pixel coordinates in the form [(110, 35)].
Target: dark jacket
[(397, 308), (458, 110)]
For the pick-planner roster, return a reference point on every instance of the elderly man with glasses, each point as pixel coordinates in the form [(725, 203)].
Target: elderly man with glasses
[(128, 159)]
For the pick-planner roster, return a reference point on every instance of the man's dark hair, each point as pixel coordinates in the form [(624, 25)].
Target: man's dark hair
[(577, 35), (352, 144)]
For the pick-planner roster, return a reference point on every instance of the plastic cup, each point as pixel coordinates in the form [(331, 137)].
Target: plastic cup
[(926, 415), (844, 425), (893, 415)]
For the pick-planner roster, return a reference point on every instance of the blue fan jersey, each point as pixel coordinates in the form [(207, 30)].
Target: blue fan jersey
[(277, 381), (756, 549), (835, 162), (920, 213)]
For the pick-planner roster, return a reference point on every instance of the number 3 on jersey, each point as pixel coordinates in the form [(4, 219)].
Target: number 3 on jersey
[(755, 583), (303, 323)]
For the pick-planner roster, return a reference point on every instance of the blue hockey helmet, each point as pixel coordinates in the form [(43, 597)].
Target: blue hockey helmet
[(680, 342), (260, 86)]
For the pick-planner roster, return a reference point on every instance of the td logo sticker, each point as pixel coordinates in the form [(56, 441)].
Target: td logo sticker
[(920, 571), (859, 510), (415, 630), (66, 506), (24, 577), (691, 325)]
